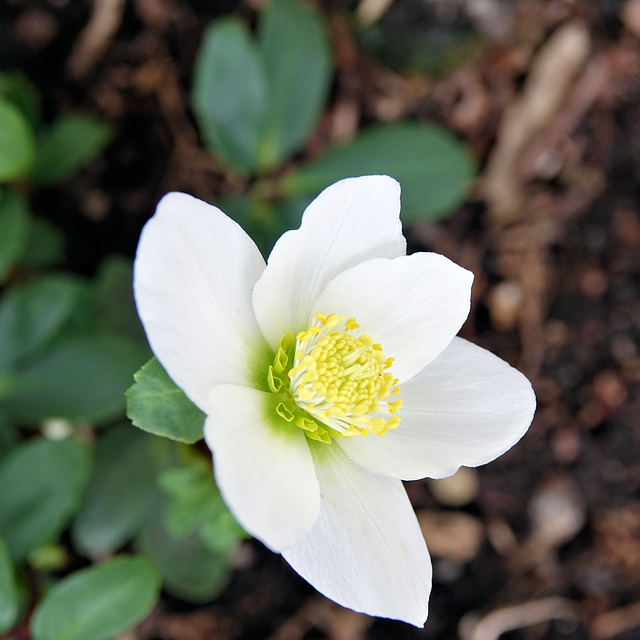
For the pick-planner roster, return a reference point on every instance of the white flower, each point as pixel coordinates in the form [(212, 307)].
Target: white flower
[(327, 377)]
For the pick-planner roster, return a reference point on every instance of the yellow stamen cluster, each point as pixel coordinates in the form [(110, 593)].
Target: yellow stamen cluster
[(341, 379)]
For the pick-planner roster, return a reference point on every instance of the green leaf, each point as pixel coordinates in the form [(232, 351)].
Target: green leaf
[(14, 223), (47, 478), (230, 93), (297, 58), (220, 531), (116, 309), (70, 144), (155, 404), (120, 494), (195, 504), (45, 245), (16, 88), (80, 378), (433, 167), (18, 147), (99, 602), (9, 601), (8, 434), (32, 314), (188, 568)]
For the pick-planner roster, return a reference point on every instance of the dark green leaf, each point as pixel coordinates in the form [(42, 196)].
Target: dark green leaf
[(77, 378), (45, 245), (116, 309), (18, 148), (195, 504), (121, 492), (14, 224), (46, 480), (8, 434), (157, 405), (433, 168), (31, 315), (9, 602), (230, 93), (220, 531), (188, 568), (97, 603), (18, 90), (297, 59), (71, 143)]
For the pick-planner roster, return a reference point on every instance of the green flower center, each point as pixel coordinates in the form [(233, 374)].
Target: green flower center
[(334, 383)]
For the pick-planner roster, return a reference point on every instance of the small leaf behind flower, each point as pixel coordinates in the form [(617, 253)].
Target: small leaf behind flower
[(256, 102), (230, 93), (189, 569), (155, 404), (120, 496), (434, 169), (297, 59), (99, 602)]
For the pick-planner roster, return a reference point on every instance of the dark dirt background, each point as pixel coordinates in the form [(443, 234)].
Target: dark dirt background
[(544, 543)]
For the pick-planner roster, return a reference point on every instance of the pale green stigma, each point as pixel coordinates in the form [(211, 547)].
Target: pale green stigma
[(334, 383)]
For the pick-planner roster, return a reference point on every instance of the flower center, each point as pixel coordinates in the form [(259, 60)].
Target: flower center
[(338, 383)]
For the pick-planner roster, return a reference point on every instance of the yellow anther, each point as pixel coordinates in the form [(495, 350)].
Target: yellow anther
[(395, 405), (305, 336), (393, 422), (351, 324)]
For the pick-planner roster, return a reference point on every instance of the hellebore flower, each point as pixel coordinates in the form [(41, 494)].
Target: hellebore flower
[(328, 376)]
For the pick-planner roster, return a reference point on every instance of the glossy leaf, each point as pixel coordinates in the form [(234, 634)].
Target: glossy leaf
[(80, 378), (9, 602), (230, 93), (18, 148), (433, 167), (14, 224), (32, 314), (155, 404), (297, 59), (120, 494), (70, 144), (99, 602), (47, 478)]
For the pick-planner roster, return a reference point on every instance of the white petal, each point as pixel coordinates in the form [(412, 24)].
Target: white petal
[(365, 551), (413, 305), (466, 408), (262, 466), (193, 276), (351, 221)]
